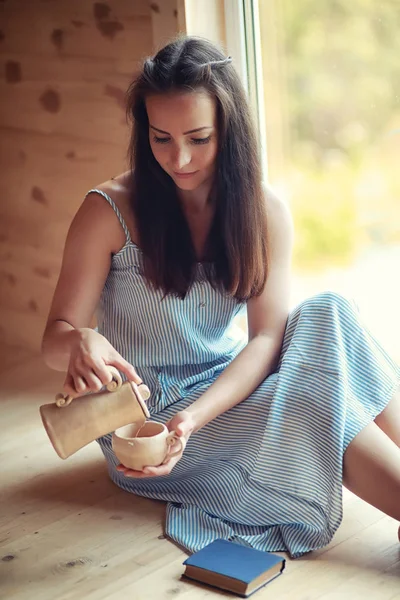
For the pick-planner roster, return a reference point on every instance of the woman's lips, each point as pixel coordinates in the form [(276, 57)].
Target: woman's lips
[(185, 175)]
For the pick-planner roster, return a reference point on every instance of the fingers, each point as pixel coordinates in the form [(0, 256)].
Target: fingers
[(69, 385), (75, 384), (164, 469), (102, 372), (86, 376), (177, 447), (180, 429), (131, 473), (96, 373), (126, 368), (80, 382), (90, 373), (182, 423), (93, 383)]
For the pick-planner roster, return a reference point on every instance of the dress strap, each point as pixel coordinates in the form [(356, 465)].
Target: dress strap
[(115, 209)]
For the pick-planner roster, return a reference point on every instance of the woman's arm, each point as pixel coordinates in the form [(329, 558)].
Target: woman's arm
[(86, 262), (267, 317), (69, 344)]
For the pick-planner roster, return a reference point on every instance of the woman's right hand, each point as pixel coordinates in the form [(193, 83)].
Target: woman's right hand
[(91, 353)]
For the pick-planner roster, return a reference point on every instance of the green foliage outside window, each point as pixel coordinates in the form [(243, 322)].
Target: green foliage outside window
[(339, 65)]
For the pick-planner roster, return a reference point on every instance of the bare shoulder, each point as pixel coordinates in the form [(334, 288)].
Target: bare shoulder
[(118, 189), (279, 218), (276, 207), (98, 218), (280, 221)]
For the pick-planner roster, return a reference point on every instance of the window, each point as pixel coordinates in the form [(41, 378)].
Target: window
[(324, 81)]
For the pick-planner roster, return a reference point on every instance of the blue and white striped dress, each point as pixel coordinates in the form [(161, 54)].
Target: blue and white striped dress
[(268, 472)]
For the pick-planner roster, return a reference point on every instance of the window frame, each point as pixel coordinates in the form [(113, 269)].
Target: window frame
[(243, 40)]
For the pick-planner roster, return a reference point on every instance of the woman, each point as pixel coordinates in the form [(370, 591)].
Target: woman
[(170, 253)]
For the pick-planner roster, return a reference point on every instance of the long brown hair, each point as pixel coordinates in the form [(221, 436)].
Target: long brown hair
[(237, 240)]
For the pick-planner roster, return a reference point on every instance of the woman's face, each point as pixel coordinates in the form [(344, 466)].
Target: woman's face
[(183, 136)]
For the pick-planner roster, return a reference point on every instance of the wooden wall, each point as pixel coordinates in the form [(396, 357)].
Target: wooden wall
[(205, 18), (65, 68)]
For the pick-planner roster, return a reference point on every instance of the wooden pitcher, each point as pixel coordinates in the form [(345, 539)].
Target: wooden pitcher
[(72, 424)]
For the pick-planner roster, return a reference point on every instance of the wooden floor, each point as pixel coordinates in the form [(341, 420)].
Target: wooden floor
[(67, 533)]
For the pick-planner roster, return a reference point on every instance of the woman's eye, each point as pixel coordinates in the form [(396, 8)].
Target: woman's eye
[(201, 140), (164, 140), (160, 140)]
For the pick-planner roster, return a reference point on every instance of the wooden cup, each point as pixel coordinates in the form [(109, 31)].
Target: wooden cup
[(148, 445)]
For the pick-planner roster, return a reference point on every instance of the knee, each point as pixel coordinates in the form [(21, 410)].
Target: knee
[(329, 301)]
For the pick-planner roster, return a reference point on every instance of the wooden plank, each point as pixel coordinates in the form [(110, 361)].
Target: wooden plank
[(94, 111), (77, 28), (63, 130), (205, 19), (32, 232), (12, 356), (64, 526), (63, 168), (164, 19), (37, 203), (41, 263), (52, 69), (43, 198), (21, 329), (23, 290), (70, 9)]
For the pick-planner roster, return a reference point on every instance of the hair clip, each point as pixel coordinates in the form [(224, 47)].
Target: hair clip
[(218, 63)]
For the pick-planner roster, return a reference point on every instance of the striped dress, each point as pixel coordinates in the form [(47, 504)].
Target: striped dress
[(268, 472)]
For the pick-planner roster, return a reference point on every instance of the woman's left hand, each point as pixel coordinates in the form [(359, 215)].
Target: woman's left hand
[(183, 424)]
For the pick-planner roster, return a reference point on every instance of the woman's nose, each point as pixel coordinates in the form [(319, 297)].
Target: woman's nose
[(181, 158)]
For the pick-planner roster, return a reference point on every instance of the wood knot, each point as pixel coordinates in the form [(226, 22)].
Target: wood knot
[(77, 562), (8, 558)]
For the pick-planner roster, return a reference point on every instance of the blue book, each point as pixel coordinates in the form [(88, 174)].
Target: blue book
[(229, 566)]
